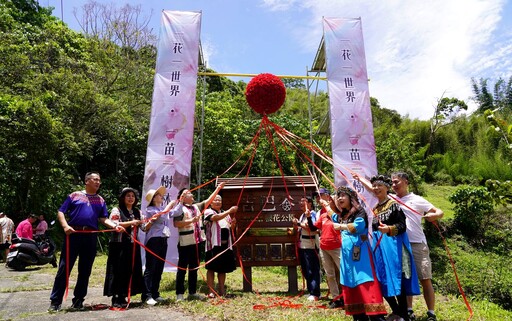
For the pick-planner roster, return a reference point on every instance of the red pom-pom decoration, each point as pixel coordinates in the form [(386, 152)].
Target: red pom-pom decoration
[(265, 93)]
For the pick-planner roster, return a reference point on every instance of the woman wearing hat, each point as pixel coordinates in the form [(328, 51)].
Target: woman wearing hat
[(157, 230), (124, 265), (361, 289), (392, 251)]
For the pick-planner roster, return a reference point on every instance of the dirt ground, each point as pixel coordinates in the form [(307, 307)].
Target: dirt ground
[(18, 302)]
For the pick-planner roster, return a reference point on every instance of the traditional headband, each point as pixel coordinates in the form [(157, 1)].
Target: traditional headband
[(346, 190), (381, 182)]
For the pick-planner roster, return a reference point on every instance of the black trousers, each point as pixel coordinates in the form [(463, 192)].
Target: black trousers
[(81, 245), (188, 259), (154, 267)]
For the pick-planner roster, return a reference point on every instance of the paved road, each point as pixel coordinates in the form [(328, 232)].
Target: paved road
[(16, 303)]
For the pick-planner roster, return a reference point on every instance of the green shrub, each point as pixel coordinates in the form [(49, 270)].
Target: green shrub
[(483, 275), (473, 208)]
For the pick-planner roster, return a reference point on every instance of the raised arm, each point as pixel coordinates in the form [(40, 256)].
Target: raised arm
[(209, 200), (174, 210), (363, 180)]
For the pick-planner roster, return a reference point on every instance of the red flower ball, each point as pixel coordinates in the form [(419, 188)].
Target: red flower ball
[(265, 94)]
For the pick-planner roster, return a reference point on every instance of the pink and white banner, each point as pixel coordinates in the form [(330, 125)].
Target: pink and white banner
[(353, 146), (171, 131)]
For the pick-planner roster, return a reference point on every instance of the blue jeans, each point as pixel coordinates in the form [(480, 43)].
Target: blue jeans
[(310, 265), (81, 245)]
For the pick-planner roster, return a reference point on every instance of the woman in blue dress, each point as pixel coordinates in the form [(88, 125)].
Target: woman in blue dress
[(391, 248), (361, 289)]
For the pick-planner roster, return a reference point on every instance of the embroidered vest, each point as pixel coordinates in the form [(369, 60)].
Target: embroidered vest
[(192, 233)]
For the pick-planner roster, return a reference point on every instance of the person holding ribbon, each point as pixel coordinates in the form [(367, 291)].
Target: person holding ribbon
[(360, 286), (330, 244), (392, 251), (84, 210), (123, 277), (417, 208), (219, 254), (308, 242), (157, 228), (191, 237)]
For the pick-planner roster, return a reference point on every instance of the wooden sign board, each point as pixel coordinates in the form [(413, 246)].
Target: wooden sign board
[(266, 208)]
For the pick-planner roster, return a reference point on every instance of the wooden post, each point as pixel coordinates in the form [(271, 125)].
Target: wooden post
[(292, 280), (247, 283)]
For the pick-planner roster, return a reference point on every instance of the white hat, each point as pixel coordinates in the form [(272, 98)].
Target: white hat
[(151, 193)]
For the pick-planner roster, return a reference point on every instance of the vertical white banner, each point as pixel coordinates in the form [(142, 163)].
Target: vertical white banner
[(353, 146), (171, 130)]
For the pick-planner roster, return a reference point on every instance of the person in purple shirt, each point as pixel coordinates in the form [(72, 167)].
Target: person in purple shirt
[(24, 229), (79, 216)]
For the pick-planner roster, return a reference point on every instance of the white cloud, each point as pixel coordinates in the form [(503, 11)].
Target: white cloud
[(416, 51), (279, 5), (209, 49)]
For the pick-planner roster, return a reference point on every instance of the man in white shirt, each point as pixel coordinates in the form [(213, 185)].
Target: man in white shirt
[(6, 230), (417, 208)]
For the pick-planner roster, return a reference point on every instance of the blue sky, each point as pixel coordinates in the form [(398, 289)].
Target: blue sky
[(416, 51)]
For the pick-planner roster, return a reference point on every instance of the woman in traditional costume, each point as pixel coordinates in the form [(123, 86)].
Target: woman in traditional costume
[(392, 251), (124, 268), (361, 289)]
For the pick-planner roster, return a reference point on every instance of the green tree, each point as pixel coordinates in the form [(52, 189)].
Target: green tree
[(399, 153), (446, 112), (499, 98)]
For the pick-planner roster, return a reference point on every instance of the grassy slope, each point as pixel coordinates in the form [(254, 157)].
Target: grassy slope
[(438, 196)]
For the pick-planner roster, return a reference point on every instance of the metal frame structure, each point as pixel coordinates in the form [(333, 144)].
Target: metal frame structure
[(318, 67)]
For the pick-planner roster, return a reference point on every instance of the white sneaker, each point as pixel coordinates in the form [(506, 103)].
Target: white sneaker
[(194, 296), (179, 297), (312, 298), (160, 299), (151, 301)]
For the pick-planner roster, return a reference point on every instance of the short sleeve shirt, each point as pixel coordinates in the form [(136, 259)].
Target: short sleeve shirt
[(84, 209), (413, 220)]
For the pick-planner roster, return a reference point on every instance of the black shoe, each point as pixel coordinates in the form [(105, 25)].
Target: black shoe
[(54, 307), (121, 301), (431, 317), (77, 304), (117, 305), (412, 316), (338, 304)]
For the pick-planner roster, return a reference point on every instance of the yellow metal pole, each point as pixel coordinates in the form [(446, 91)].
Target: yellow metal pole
[(254, 75)]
